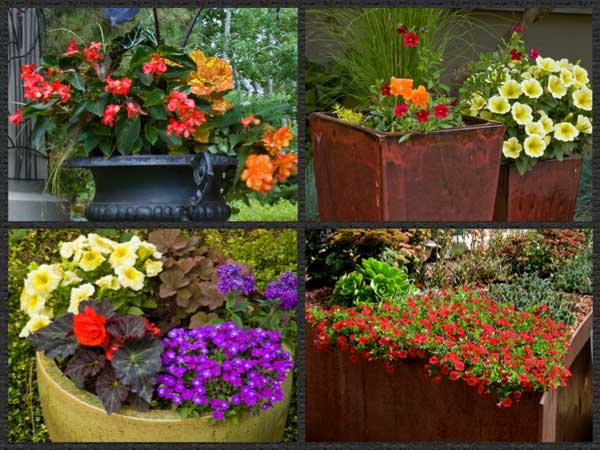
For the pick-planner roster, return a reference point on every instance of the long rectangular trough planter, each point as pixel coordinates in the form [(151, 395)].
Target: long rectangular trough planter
[(364, 174), (358, 403)]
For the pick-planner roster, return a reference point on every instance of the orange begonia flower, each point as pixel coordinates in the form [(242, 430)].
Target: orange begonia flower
[(220, 106), (258, 173), (420, 97), (274, 141), (401, 86), (211, 75), (285, 165), (246, 121)]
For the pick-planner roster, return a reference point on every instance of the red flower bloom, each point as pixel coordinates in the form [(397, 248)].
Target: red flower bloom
[(515, 55), (440, 111), (132, 109), (111, 349), (156, 65), (179, 101), (247, 121), (91, 53), (354, 359), (401, 110), (109, 114), (71, 49), (517, 29), (505, 403), (153, 329), (534, 53), (422, 115), (17, 117), (453, 103), (402, 29), (118, 87), (88, 328), (410, 40), (187, 124), (385, 89), (454, 375)]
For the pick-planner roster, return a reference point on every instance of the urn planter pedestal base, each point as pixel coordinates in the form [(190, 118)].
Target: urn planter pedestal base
[(366, 175), (157, 187)]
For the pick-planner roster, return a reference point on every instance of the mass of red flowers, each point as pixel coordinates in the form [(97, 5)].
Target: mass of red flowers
[(188, 117), (40, 89), (461, 335), (156, 65)]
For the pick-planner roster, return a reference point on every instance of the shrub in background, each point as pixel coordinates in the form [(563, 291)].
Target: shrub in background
[(576, 275)]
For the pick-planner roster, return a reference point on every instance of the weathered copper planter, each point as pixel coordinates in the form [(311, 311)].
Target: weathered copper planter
[(357, 403), (547, 193), (365, 175)]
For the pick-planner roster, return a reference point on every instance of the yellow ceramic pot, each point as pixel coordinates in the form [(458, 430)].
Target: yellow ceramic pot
[(74, 415)]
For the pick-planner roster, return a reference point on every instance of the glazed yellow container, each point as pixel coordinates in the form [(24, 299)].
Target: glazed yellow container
[(74, 415)]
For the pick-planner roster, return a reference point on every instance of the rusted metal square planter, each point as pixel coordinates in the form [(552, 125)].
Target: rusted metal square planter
[(547, 193), (365, 175), (362, 403)]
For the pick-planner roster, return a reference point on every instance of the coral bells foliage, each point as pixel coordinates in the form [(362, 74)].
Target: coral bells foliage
[(116, 356), (462, 336), (165, 100), (223, 370)]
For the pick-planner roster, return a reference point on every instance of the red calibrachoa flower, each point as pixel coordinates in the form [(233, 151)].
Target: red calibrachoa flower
[(385, 89), (440, 111), (489, 346), (534, 53), (410, 39), (422, 115), (517, 29), (515, 54), (88, 328), (401, 110), (402, 29)]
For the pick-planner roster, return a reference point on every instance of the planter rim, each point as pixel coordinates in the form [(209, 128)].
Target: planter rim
[(477, 124), (146, 160), (566, 158), (54, 374)]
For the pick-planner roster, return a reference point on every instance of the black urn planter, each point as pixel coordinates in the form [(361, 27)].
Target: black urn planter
[(157, 187)]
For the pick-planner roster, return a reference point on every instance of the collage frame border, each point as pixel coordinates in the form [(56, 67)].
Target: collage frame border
[(300, 226)]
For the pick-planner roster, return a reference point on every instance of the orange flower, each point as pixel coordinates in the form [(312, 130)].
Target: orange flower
[(246, 121), (211, 75), (274, 141), (258, 173), (285, 165), (420, 97), (220, 106), (401, 86)]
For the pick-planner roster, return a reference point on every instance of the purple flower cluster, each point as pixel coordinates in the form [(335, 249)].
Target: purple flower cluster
[(231, 278), (284, 290), (222, 368)]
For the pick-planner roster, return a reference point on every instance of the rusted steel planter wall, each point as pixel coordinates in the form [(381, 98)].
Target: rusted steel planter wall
[(363, 174), (546, 193), (357, 403)]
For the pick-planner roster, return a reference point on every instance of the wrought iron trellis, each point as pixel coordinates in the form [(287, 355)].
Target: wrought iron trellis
[(26, 31)]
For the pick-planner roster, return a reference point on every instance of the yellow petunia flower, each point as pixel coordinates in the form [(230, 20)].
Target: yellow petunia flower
[(130, 277), (498, 104), (69, 278), (521, 113), (534, 146), (565, 132), (566, 77), (547, 64), (582, 98), (532, 88), (37, 322), (476, 102), (510, 89), (91, 260), (211, 75), (124, 255), (153, 268), (511, 148), (556, 87), (44, 279), (581, 76), (536, 128), (108, 282), (584, 124), (32, 302), (79, 294), (101, 244)]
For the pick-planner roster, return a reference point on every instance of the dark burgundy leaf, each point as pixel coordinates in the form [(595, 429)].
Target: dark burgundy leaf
[(137, 363), (127, 327), (86, 363), (137, 403), (103, 307), (56, 339), (110, 391)]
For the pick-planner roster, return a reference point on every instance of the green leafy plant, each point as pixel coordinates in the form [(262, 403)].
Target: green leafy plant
[(529, 292), (374, 281), (347, 115), (576, 275)]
